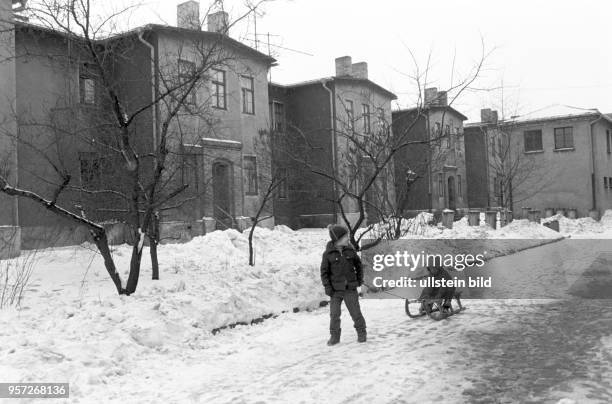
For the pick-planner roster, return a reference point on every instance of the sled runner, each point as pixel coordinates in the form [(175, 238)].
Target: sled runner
[(437, 303), (436, 309)]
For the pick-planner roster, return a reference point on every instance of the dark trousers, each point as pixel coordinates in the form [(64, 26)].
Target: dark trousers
[(351, 300)]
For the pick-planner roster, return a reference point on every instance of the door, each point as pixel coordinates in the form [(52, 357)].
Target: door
[(222, 195), (451, 193)]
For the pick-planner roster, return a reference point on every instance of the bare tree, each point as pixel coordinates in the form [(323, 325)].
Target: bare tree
[(270, 178), (142, 177), (363, 180)]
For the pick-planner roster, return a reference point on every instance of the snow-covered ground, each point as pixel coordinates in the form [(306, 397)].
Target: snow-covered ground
[(157, 345)]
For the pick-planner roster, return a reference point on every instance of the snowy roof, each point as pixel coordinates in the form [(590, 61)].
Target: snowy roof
[(358, 80), (555, 111)]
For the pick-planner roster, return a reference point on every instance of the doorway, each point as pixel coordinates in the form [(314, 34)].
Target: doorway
[(222, 195)]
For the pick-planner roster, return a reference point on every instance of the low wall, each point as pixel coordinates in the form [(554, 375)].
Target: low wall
[(37, 237), (320, 220), (10, 241)]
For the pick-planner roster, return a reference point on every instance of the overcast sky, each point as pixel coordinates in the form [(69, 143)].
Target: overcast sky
[(544, 52)]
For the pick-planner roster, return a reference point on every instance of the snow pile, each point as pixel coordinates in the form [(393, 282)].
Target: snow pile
[(584, 227), (518, 229), (73, 326), (415, 226)]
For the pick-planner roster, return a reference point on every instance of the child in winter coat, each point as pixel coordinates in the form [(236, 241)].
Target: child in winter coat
[(341, 275)]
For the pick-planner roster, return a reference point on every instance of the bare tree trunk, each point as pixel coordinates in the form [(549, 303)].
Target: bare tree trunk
[(251, 254), (153, 241), (102, 243)]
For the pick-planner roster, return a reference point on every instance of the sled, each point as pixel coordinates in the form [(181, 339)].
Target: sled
[(436, 309)]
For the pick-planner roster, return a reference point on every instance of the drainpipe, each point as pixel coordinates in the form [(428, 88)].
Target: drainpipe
[(332, 110), (593, 179), (153, 92)]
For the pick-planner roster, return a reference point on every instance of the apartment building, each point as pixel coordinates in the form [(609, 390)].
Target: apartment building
[(433, 158), (63, 109), (326, 116), (557, 157)]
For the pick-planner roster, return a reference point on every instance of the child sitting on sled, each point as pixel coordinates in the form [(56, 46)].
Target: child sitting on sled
[(433, 293)]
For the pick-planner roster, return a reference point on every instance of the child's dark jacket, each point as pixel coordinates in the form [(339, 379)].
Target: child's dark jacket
[(341, 271)]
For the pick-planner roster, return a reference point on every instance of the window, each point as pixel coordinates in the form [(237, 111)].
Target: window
[(87, 88), (459, 191), (350, 114), (533, 140), (218, 89), (248, 95), (91, 167), (190, 172), (365, 114), (186, 71), (380, 119), (606, 184), (440, 185), (250, 174), (278, 116), (447, 135), (283, 189), (493, 150), (496, 186), (564, 138), (437, 133), (608, 141)]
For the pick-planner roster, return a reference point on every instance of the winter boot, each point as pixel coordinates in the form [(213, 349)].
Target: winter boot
[(361, 336), (334, 339)]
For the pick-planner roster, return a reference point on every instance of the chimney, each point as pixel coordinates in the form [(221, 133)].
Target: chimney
[(218, 22), (494, 117), (486, 115), (344, 66), (442, 99), (431, 96), (188, 15), (360, 70)]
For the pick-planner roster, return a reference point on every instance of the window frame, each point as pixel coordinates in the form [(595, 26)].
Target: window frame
[(283, 187), (564, 145), (365, 115), (350, 113), (441, 187), (183, 77), (250, 175), (609, 141), (459, 188), (275, 122), (96, 165), (216, 85), (532, 132), (247, 94)]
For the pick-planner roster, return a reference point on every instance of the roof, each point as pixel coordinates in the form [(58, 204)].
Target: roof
[(158, 27), (212, 35), (554, 112), (551, 112), (367, 82), (432, 107)]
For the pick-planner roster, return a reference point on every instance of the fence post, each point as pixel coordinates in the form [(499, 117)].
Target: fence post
[(491, 218), (448, 217), (474, 218)]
